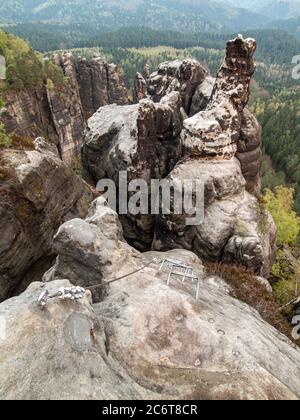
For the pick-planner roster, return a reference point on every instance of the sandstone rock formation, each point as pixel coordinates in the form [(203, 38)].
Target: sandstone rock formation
[(145, 340), (58, 111), (196, 88), (202, 95), (249, 151), (87, 250), (66, 110), (235, 228), (38, 192), (142, 139), (100, 84), (180, 76), (134, 138)]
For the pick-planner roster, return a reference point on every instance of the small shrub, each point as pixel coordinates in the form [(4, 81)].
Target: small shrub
[(248, 290), (50, 85), (281, 204), (284, 291), (262, 213), (77, 165), (5, 139), (22, 142)]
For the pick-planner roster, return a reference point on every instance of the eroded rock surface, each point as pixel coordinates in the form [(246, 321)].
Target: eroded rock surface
[(235, 228), (142, 139), (144, 340), (38, 192), (172, 76), (59, 110), (100, 84), (249, 151), (66, 111), (220, 145)]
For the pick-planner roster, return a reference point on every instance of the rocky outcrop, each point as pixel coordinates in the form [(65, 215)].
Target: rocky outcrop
[(139, 89), (38, 193), (100, 84), (66, 110), (202, 95), (249, 151), (59, 110), (235, 227), (214, 132), (28, 113), (196, 88), (133, 345), (87, 250), (179, 76), (219, 145), (142, 139)]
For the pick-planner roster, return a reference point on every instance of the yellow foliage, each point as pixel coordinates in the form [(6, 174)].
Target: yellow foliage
[(281, 204)]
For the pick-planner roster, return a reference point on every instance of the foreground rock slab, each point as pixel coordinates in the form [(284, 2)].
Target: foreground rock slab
[(144, 339)]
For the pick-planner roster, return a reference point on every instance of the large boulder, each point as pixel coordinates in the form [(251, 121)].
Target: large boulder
[(142, 139), (38, 193), (89, 250), (235, 228), (145, 339), (58, 109)]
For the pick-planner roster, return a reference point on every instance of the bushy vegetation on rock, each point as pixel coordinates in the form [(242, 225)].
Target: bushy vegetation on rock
[(25, 68), (245, 287), (286, 270)]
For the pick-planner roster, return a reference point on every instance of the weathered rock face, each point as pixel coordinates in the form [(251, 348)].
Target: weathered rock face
[(202, 95), (197, 87), (249, 151), (88, 249), (28, 113), (142, 139), (66, 111), (235, 227), (214, 132), (38, 192), (133, 345), (100, 84), (59, 111), (179, 76), (140, 88), (134, 138)]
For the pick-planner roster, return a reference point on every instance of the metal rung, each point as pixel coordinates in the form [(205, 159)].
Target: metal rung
[(188, 276), (169, 262)]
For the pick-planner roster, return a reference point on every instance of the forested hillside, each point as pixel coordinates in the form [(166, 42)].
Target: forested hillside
[(291, 25), (280, 117), (274, 46), (204, 15), (25, 68), (273, 9)]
